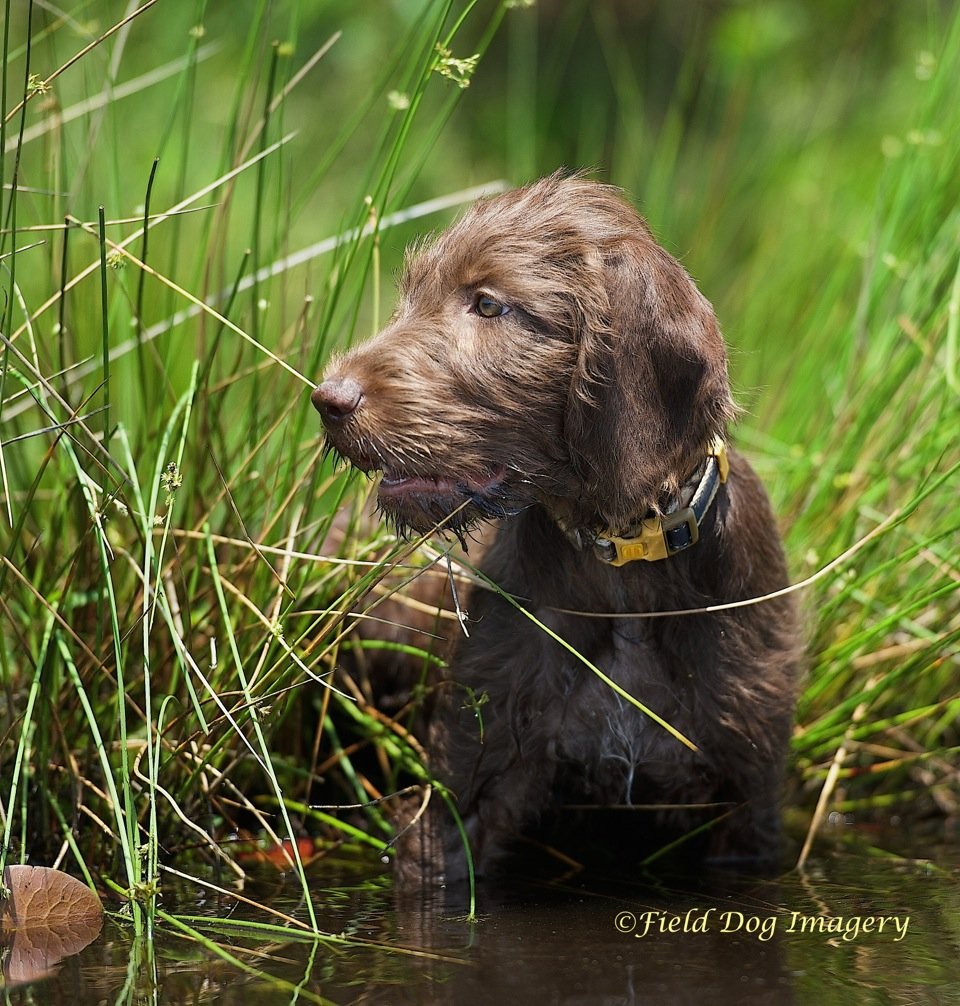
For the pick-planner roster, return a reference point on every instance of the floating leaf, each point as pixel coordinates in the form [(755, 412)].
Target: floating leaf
[(50, 915), (39, 896)]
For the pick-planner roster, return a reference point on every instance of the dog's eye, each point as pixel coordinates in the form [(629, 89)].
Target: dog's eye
[(487, 307)]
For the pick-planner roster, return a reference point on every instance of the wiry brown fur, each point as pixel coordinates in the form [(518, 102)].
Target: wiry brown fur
[(585, 407)]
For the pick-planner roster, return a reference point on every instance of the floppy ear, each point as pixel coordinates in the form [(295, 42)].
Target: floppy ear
[(650, 389)]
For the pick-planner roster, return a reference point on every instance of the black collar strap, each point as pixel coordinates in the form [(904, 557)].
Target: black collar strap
[(662, 537)]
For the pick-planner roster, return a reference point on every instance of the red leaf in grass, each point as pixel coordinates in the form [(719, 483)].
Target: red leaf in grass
[(280, 856)]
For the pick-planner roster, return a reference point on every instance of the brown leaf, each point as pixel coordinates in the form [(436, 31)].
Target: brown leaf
[(47, 915), (40, 896)]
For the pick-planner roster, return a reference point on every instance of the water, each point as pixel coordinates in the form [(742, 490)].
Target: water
[(812, 938)]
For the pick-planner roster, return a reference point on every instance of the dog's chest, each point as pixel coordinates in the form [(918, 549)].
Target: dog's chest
[(607, 740)]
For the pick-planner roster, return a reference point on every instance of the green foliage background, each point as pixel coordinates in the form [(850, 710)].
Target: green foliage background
[(169, 612)]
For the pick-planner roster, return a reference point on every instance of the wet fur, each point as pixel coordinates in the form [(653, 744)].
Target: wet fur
[(586, 406)]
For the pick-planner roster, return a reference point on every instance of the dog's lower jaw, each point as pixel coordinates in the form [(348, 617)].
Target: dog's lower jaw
[(422, 505)]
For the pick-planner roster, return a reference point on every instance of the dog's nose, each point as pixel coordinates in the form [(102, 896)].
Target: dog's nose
[(337, 399)]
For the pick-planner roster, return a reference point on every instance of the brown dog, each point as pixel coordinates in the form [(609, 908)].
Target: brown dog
[(549, 366)]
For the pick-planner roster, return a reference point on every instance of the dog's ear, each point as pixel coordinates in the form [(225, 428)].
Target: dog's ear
[(650, 389)]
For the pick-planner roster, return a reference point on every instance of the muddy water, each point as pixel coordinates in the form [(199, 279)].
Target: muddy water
[(858, 927)]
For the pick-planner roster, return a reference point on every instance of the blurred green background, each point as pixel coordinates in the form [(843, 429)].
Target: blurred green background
[(800, 158)]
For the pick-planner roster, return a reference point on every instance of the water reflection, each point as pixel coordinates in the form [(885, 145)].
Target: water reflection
[(597, 941)]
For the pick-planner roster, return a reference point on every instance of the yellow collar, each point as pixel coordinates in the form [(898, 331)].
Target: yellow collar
[(661, 537)]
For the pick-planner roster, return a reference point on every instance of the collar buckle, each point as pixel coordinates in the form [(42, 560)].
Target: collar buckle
[(663, 537), (659, 538)]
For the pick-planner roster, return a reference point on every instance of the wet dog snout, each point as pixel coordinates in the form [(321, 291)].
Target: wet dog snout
[(337, 399)]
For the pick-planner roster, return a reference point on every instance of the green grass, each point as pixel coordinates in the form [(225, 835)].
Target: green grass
[(169, 614)]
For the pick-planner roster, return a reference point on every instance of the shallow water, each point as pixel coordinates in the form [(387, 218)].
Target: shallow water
[(812, 938)]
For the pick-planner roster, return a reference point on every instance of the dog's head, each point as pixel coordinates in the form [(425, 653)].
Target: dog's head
[(544, 350)]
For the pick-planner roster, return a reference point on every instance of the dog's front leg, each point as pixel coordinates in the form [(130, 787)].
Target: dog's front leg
[(495, 783)]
